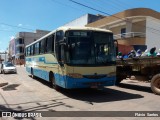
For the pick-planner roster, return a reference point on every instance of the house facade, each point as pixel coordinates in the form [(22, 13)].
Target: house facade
[(17, 44), (84, 20), (137, 27)]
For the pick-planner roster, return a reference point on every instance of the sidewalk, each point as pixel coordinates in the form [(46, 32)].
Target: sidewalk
[(3, 82), (19, 65)]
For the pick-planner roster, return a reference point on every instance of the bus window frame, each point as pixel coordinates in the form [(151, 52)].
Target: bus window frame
[(59, 42), (36, 48), (42, 50)]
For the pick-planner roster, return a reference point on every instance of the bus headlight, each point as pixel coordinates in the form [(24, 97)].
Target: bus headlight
[(75, 75)]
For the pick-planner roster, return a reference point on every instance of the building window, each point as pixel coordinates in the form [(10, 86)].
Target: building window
[(20, 41), (123, 31)]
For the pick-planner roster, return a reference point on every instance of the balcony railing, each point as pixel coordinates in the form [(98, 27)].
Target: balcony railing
[(20, 45), (19, 53), (129, 35)]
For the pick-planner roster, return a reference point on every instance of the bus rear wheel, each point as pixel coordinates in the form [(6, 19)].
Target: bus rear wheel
[(155, 84), (32, 75), (52, 81)]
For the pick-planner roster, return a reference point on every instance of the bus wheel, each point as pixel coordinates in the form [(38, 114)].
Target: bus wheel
[(52, 81), (32, 75), (155, 84), (119, 79)]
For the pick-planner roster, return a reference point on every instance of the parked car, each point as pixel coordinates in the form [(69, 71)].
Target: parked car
[(7, 67)]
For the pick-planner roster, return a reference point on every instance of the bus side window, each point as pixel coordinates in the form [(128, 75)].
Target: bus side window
[(53, 36), (49, 44), (60, 54), (33, 47), (32, 50), (42, 46), (26, 51), (59, 37), (36, 48), (45, 46), (62, 57), (29, 51)]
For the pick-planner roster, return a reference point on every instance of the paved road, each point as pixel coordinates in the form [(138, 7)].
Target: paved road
[(26, 94)]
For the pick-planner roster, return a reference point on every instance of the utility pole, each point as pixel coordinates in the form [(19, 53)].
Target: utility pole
[(0, 59), (5, 56)]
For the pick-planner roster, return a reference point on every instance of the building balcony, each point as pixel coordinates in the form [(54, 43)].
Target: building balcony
[(129, 35), (19, 53), (20, 45)]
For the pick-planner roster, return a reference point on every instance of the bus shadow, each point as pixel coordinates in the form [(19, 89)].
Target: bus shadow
[(46, 83), (136, 87), (93, 95), (98, 96)]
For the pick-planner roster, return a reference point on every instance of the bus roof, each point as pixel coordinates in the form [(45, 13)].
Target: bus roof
[(70, 28)]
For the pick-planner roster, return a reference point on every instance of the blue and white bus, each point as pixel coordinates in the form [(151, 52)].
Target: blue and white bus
[(74, 57)]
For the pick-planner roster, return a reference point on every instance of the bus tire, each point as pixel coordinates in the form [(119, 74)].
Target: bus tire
[(155, 84), (118, 81), (52, 81), (32, 74)]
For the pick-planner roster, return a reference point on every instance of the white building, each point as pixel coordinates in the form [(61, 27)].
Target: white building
[(84, 20), (139, 26)]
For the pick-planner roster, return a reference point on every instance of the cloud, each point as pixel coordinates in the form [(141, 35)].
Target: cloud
[(20, 25), (12, 37)]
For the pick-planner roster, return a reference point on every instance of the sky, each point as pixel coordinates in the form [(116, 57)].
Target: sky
[(29, 15)]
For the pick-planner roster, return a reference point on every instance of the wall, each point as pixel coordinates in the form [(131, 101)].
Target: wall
[(125, 14), (28, 37), (152, 33), (82, 21), (139, 27), (132, 41), (117, 30)]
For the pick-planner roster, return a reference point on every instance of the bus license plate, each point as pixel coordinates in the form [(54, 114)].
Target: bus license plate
[(94, 86)]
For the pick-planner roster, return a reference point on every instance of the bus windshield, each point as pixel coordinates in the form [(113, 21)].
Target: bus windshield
[(90, 48)]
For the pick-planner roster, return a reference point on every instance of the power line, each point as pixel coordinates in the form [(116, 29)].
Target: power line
[(16, 26), (101, 5), (67, 5), (89, 7)]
